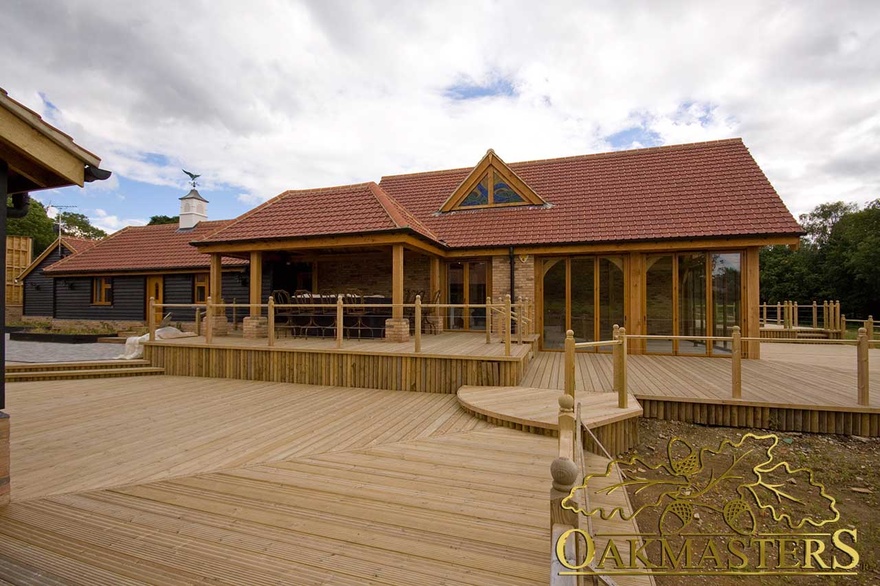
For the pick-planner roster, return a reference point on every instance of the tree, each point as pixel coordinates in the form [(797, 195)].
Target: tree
[(79, 225), (157, 220), (37, 224)]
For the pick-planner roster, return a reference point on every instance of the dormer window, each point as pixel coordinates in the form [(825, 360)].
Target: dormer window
[(491, 184)]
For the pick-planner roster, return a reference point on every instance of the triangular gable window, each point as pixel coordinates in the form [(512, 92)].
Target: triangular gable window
[(491, 184)]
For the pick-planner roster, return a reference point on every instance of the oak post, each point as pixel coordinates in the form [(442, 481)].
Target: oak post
[(151, 319), (340, 321), (863, 371), (621, 365), (815, 316), (209, 321), (198, 328), (736, 364), (764, 310), (418, 317), (795, 320), (397, 299), (489, 317), (507, 324), (840, 324), (869, 325), (825, 315), (778, 314), (519, 320), (615, 358), (569, 372), (256, 283), (271, 322)]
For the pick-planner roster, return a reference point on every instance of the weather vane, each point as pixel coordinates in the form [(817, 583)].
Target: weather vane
[(192, 177)]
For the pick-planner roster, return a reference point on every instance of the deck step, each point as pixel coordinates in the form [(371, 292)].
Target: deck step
[(112, 340), (82, 374), (79, 365)]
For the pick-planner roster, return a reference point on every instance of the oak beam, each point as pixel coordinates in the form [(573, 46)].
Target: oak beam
[(397, 281)]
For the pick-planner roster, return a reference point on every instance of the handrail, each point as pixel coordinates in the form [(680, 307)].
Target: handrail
[(512, 312)]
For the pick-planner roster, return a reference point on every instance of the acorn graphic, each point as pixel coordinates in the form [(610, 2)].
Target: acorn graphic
[(688, 465), (739, 516)]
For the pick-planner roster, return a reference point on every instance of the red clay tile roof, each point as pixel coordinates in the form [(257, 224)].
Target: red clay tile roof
[(346, 209), (78, 244), (710, 189), (144, 248)]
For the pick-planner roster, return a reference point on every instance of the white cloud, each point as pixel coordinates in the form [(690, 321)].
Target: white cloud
[(110, 223), (279, 95)]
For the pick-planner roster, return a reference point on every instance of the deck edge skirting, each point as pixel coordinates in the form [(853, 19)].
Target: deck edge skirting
[(396, 372), (811, 419)]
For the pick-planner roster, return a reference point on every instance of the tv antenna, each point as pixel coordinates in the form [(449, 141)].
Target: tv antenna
[(58, 216)]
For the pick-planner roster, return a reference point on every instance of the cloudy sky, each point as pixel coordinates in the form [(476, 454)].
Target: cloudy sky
[(263, 96)]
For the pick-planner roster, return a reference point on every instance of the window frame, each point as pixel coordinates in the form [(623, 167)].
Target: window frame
[(102, 291), (197, 284)]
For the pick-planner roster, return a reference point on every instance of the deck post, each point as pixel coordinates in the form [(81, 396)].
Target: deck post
[(736, 364), (764, 313), (869, 325), (271, 322), (507, 324), (842, 321), (815, 316), (489, 318), (620, 369), (863, 370), (794, 315), (215, 284), (569, 371), (198, 326), (778, 314), (417, 315), (209, 321), (340, 321), (825, 315), (838, 323), (151, 319), (519, 320)]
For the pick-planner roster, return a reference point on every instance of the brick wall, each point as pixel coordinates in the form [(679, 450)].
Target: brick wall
[(524, 278), (371, 273)]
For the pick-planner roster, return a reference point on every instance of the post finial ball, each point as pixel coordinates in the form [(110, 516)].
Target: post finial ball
[(565, 473), (566, 402)]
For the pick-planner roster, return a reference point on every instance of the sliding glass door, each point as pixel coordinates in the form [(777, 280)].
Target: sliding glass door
[(467, 283), (692, 294)]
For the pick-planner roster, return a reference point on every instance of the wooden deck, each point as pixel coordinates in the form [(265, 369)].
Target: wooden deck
[(172, 480), (447, 361), (793, 387)]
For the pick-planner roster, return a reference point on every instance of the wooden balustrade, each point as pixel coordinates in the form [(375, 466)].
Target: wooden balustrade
[(509, 312), (151, 319)]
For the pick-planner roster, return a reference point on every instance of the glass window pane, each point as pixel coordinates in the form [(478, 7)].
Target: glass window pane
[(477, 294), (503, 193), (659, 303), (611, 295), (554, 303), (692, 302), (455, 280), (583, 309), (479, 196), (726, 297)]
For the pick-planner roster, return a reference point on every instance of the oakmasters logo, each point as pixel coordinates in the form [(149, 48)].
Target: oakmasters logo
[(733, 510)]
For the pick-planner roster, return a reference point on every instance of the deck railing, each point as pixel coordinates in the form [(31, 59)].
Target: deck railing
[(619, 371), (824, 316), (518, 316)]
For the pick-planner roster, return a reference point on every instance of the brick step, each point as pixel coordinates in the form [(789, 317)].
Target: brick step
[(83, 365), (81, 374)]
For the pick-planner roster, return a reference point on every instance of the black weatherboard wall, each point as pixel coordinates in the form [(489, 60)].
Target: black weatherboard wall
[(179, 289), (73, 299), (39, 289)]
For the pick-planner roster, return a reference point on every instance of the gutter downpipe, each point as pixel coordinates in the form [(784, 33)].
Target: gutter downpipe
[(512, 260)]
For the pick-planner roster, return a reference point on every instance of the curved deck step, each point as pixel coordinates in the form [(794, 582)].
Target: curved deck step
[(536, 411)]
